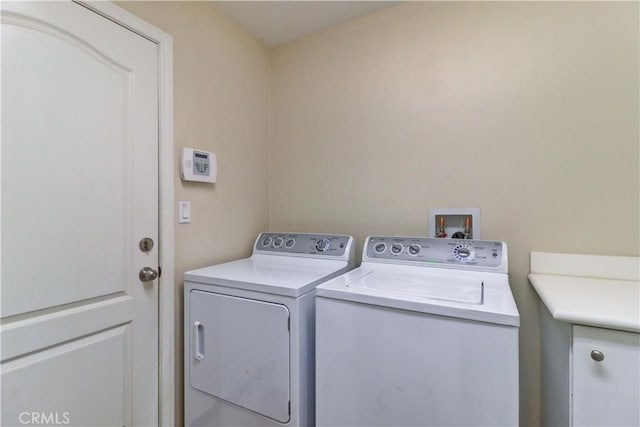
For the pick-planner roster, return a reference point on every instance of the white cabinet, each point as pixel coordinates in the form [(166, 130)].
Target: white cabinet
[(590, 318), (606, 377), (578, 388)]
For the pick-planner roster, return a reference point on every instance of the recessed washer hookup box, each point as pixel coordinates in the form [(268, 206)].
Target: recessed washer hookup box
[(454, 223)]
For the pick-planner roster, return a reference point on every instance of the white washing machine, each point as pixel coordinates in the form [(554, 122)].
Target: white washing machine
[(249, 331), (423, 333)]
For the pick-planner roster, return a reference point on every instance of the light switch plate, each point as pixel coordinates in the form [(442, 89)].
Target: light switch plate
[(184, 212)]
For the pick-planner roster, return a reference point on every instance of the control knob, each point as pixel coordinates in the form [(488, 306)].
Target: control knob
[(396, 248), (463, 252), (322, 245), (380, 247)]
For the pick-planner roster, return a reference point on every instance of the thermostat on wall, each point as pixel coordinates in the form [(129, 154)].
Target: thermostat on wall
[(198, 165)]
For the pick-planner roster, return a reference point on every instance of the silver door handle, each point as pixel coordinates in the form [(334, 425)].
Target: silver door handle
[(148, 274), (198, 340)]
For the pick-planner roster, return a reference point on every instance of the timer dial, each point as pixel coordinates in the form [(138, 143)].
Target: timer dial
[(290, 243), (266, 241), (278, 242), (463, 252), (322, 245), (414, 249)]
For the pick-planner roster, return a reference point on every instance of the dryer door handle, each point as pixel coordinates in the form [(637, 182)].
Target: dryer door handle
[(198, 340)]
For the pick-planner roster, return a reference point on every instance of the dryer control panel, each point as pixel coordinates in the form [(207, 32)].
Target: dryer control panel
[(450, 253), (304, 244)]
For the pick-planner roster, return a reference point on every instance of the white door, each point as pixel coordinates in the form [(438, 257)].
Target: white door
[(79, 191)]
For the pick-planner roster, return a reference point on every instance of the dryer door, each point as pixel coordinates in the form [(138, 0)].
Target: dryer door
[(239, 352)]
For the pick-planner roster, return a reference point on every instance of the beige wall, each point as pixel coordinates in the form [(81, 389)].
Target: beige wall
[(221, 84), (527, 111)]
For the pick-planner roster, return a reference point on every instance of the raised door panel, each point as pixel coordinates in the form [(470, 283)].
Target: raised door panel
[(239, 352), (78, 383), (606, 392), (66, 190)]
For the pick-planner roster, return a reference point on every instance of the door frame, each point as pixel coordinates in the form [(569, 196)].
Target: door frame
[(166, 284)]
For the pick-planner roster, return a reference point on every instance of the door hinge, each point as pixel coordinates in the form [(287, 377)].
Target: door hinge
[(159, 271), (288, 323), (289, 408)]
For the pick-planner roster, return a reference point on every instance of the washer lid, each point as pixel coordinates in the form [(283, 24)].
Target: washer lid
[(480, 296), (280, 275)]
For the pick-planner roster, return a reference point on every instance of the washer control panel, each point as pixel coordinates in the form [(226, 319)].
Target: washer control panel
[(450, 252), (303, 244)]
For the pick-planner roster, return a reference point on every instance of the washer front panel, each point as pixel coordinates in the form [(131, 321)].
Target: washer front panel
[(431, 370), (450, 252)]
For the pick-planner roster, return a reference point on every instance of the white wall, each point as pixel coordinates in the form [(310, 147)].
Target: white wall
[(528, 111)]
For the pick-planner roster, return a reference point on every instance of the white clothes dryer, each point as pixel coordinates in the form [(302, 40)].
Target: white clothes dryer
[(424, 332), (249, 331)]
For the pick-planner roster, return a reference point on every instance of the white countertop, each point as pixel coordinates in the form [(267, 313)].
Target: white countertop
[(581, 294)]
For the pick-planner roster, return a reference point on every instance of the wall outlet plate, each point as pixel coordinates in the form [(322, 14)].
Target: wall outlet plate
[(454, 221)]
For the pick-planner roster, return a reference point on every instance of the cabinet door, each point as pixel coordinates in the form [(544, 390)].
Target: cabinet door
[(606, 392)]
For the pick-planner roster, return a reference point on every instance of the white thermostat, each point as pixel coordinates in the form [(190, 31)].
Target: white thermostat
[(198, 165)]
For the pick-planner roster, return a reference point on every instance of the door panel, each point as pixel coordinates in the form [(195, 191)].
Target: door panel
[(240, 352), (22, 381), (79, 191), (65, 186)]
